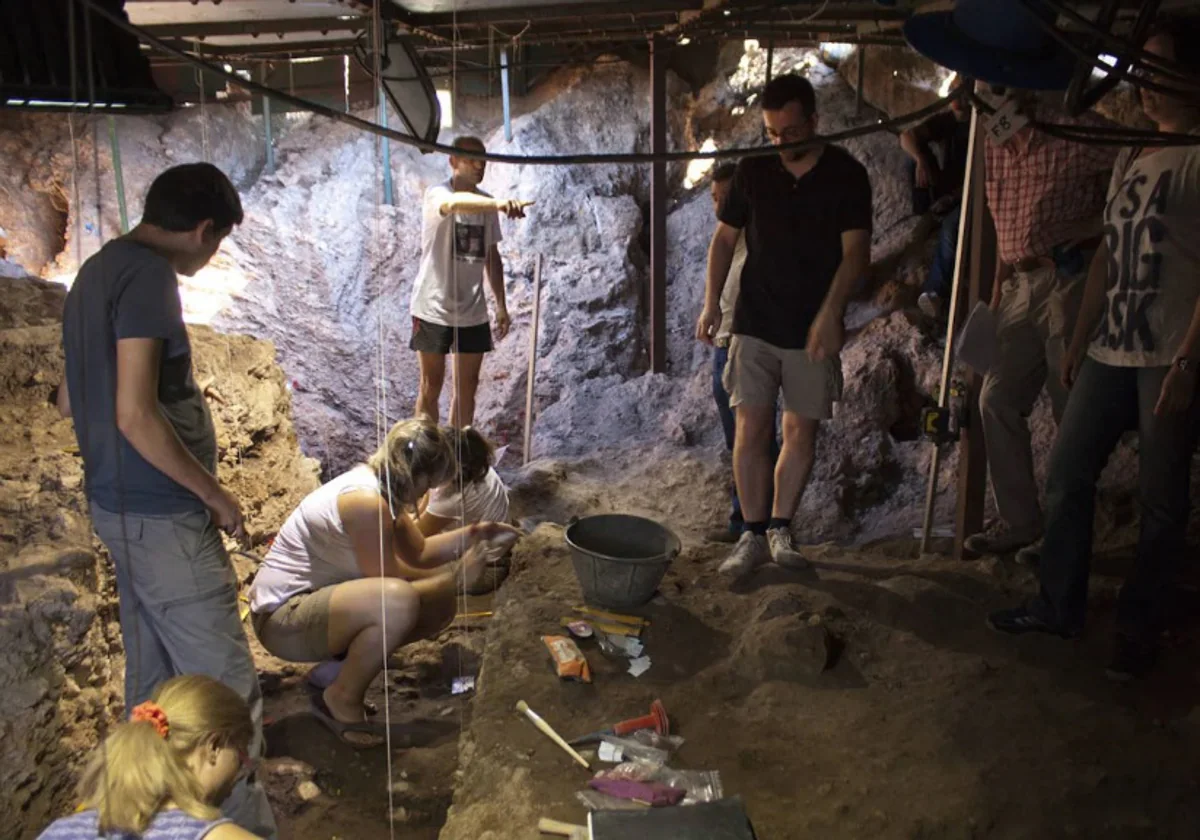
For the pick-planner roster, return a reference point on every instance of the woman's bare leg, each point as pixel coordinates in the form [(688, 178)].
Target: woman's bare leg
[(367, 634), (439, 604)]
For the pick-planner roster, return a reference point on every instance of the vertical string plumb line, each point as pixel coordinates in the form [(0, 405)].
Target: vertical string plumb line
[(91, 82), (461, 624), (381, 407)]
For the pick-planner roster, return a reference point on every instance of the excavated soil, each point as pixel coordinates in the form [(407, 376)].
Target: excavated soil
[(925, 724)]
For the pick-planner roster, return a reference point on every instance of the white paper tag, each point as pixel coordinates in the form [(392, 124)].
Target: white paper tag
[(1006, 122), (639, 666), (611, 753)]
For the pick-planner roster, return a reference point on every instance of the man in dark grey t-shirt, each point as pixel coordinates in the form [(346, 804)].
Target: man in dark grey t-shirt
[(150, 452)]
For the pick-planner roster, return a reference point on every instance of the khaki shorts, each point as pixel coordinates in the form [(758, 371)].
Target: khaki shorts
[(757, 371), (298, 631)]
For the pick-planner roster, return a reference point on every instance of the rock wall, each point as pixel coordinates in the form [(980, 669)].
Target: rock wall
[(61, 661), (41, 173), (325, 273)]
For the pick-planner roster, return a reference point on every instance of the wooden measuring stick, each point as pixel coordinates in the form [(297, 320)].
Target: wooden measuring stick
[(531, 375), (549, 732)]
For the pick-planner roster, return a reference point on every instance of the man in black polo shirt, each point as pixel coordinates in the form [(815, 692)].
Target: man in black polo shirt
[(807, 218)]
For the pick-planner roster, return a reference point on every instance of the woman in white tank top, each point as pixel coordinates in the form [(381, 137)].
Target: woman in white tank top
[(475, 494), (350, 547)]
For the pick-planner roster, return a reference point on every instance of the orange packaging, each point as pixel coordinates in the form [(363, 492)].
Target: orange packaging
[(569, 661)]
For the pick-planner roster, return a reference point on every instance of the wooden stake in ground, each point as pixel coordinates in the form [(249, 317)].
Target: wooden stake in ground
[(532, 373)]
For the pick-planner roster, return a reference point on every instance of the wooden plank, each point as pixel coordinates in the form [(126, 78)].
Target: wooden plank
[(531, 374), (972, 457)]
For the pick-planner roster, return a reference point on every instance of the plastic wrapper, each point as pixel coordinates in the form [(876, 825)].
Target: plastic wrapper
[(656, 794), (650, 738), (628, 749), (594, 800), (635, 771), (700, 785), (569, 661)]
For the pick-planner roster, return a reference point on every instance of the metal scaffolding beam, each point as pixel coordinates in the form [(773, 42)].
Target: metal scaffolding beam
[(216, 28)]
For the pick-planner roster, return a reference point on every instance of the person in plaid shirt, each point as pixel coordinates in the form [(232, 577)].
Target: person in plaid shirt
[(1046, 197)]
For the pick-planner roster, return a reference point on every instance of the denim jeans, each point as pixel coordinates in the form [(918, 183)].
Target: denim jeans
[(721, 398), (177, 597), (941, 272), (1104, 402)]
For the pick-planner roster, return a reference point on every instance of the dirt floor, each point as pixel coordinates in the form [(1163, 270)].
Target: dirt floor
[(351, 794), (925, 724), (922, 722)]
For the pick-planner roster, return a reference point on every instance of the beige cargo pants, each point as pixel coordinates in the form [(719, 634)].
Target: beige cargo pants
[(1037, 313)]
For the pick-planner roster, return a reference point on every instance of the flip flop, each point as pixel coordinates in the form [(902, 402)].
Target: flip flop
[(373, 730), (368, 707)]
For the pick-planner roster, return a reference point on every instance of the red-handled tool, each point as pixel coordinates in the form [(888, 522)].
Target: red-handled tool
[(656, 720)]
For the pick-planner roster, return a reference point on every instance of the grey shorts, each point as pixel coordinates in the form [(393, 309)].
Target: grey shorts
[(757, 371), (298, 631)]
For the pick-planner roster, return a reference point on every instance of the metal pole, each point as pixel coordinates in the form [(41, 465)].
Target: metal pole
[(504, 94), (532, 373), (770, 58), (862, 72), (658, 208), (115, 143), (388, 194), (970, 196), (266, 110)]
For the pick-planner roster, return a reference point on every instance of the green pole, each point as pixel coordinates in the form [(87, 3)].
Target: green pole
[(116, 161), (388, 197), (266, 111)]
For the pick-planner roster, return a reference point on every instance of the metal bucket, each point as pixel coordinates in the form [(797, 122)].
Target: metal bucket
[(620, 559)]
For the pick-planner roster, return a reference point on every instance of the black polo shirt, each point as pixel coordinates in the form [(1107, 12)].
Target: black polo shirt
[(794, 230)]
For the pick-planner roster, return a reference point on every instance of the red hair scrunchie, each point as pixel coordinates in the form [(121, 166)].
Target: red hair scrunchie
[(152, 713)]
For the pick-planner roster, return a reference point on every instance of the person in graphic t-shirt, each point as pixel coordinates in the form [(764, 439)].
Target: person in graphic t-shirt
[(459, 235), (1132, 362), (807, 220)]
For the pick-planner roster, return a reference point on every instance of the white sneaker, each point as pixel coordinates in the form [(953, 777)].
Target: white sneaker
[(749, 553), (783, 551)]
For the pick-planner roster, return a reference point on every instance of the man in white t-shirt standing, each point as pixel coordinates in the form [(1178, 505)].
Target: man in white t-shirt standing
[(460, 232)]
